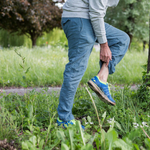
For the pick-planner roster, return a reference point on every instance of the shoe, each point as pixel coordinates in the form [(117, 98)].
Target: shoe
[(65, 124), (102, 90)]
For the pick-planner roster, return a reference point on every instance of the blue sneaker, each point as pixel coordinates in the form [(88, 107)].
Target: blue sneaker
[(65, 124), (102, 90)]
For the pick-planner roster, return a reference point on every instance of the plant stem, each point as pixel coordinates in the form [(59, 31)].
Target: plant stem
[(94, 108), (145, 132)]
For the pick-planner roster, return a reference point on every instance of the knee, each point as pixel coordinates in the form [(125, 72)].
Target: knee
[(125, 39)]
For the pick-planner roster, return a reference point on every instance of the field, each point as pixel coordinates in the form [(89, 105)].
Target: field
[(29, 122), (46, 65)]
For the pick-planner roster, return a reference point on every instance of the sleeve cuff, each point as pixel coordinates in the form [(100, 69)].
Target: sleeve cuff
[(102, 39)]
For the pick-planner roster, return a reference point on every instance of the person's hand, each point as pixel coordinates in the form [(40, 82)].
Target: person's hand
[(105, 53)]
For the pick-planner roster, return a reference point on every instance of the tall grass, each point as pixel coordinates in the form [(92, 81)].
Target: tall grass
[(47, 65)]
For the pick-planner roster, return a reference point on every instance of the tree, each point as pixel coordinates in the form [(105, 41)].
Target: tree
[(30, 17), (148, 63), (131, 17)]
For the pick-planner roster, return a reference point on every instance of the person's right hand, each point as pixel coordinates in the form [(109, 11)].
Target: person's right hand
[(105, 53)]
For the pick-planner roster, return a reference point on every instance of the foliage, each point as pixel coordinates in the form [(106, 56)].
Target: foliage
[(54, 37), (131, 17), (31, 121), (30, 17), (47, 66), (9, 40)]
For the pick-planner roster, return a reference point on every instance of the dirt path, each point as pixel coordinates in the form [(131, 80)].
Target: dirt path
[(22, 91)]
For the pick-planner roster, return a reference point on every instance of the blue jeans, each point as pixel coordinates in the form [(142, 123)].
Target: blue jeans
[(81, 39)]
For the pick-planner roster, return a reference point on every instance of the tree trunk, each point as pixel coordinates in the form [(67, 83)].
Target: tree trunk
[(131, 36), (148, 63), (33, 39), (144, 43)]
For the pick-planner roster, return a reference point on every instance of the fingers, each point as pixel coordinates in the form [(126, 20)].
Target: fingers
[(105, 54), (106, 59)]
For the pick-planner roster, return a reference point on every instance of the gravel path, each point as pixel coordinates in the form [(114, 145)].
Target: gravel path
[(22, 91)]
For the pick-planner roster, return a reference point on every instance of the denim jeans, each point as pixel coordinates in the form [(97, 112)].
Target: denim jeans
[(81, 39)]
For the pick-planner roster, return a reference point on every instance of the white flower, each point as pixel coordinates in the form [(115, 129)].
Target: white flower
[(144, 124), (135, 125), (110, 120)]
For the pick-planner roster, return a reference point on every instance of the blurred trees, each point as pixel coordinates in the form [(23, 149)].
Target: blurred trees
[(131, 16), (30, 17)]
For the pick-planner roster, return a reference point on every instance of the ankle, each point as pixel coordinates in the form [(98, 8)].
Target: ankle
[(102, 79)]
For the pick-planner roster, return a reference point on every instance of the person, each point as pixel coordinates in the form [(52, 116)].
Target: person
[(83, 24)]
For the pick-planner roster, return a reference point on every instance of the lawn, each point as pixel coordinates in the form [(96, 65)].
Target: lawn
[(46, 65)]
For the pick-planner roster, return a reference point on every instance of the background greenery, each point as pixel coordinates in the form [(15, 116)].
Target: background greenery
[(28, 122), (46, 66)]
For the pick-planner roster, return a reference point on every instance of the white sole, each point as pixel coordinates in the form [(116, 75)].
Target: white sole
[(99, 93)]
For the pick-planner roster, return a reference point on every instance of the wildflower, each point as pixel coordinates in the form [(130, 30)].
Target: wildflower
[(135, 125), (110, 120), (144, 124)]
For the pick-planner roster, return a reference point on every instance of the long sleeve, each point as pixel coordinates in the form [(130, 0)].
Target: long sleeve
[(97, 11)]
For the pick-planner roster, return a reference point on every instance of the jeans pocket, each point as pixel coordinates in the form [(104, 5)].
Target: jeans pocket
[(64, 21)]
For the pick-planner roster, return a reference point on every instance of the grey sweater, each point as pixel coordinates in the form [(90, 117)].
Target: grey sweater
[(90, 9)]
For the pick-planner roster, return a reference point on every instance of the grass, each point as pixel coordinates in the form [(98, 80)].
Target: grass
[(47, 65), (29, 121)]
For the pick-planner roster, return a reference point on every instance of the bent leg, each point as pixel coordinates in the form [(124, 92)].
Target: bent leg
[(81, 39), (118, 42)]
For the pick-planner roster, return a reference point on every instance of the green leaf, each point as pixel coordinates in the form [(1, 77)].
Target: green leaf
[(89, 119), (21, 66), (27, 70), (25, 146), (41, 143), (30, 112), (87, 147), (136, 146), (103, 136), (71, 134), (111, 137), (118, 126), (121, 144), (104, 116), (81, 132), (33, 140), (55, 144), (147, 142), (64, 146), (91, 140), (61, 135)]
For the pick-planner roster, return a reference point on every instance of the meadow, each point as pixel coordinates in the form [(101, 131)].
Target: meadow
[(28, 122), (46, 66)]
